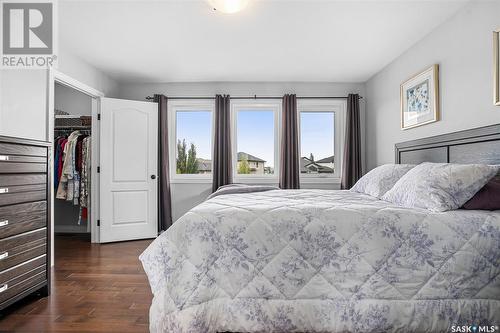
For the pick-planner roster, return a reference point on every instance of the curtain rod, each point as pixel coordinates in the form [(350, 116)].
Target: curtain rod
[(149, 98)]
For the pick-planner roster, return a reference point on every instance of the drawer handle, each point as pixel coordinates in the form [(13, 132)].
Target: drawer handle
[(4, 223), (4, 255), (4, 190), (4, 287), (4, 158)]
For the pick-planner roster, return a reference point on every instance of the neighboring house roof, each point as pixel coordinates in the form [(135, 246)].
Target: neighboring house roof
[(248, 157), (304, 161), (326, 160), (204, 165), (306, 164)]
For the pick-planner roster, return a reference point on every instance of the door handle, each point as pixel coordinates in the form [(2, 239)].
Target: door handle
[(4, 158), (4, 190), (4, 287), (153, 176), (4, 223), (4, 255)]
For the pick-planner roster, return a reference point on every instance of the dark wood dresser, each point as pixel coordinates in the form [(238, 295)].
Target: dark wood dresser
[(24, 219)]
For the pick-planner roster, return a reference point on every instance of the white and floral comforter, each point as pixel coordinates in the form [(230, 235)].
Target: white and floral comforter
[(323, 261)]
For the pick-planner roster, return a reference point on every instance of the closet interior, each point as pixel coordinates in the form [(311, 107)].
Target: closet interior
[(72, 161)]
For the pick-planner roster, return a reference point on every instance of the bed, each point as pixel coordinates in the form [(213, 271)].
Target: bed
[(331, 261)]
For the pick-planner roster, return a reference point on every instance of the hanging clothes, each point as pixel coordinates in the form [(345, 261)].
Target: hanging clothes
[(85, 179), (85, 171), (65, 189), (60, 162), (72, 170), (57, 156)]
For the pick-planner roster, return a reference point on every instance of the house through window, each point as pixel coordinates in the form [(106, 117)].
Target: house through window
[(191, 140), (317, 137), (321, 138), (255, 138)]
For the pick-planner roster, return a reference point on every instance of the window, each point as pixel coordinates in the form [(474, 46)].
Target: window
[(191, 139), (255, 139), (321, 138)]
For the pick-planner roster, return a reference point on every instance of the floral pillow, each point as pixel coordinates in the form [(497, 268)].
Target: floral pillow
[(381, 179), (440, 186)]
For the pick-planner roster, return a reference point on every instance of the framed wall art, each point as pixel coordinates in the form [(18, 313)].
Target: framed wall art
[(496, 66), (420, 98)]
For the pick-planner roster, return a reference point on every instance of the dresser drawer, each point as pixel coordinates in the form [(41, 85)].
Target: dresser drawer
[(9, 149), (14, 167), (20, 284), (15, 158), (10, 195), (20, 248), (22, 179), (16, 219), (31, 266)]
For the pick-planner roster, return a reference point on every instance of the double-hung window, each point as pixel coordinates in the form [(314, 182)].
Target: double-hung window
[(191, 125), (255, 140), (321, 124)]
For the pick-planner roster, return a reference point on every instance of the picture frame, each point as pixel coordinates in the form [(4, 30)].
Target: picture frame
[(420, 98), (496, 67)]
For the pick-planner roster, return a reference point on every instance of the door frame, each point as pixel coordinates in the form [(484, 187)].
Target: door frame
[(54, 76)]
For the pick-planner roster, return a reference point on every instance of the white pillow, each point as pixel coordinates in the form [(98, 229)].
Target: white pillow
[(440, 186), (381, 179)]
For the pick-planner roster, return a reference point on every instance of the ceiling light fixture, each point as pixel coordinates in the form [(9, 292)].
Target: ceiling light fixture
[(228, 6)]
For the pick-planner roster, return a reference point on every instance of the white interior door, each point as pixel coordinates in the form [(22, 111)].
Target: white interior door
[(128, 175)]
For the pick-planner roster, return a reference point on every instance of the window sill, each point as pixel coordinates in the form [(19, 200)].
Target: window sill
[(320, 180), (193, 180), (256, 180)]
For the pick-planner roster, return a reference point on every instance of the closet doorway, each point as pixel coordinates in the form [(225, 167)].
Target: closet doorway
[(121, 201), (72, 161), (73, 109)]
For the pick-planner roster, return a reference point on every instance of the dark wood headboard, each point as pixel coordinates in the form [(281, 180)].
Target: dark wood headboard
[(478, 145)]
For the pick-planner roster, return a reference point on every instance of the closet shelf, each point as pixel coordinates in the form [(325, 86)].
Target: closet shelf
[(67, 116), (72, 128), (65, 121)]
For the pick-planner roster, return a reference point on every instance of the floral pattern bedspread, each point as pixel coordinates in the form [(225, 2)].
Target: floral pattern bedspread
[(323, 261)]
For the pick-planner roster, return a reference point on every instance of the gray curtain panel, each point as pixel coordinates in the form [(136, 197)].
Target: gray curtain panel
[(222, 167), (289, 152), (165, 203), (351, 170)]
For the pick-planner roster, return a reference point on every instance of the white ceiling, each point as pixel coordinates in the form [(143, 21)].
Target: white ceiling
[(272, 40)]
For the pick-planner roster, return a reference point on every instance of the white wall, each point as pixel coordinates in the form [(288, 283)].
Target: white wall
[(186, 196), (462, 47), (23, 103), (138, 91), (72, 101), (75, 67), (23, 95)]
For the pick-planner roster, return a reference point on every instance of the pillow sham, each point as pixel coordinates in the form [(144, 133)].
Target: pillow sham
[(488, 198), (440, 186), (381, 179)]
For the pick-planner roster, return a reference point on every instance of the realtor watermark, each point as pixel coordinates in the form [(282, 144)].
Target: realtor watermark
[(28, 30), (473, 329)]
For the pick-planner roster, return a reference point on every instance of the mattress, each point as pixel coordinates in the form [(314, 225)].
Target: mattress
[(323, 261)]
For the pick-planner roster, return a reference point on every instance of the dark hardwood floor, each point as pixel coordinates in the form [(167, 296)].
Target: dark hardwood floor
[(95, 288)]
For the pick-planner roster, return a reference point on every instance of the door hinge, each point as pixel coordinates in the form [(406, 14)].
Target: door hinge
[(98, 223), (98, 116), (98, 169)]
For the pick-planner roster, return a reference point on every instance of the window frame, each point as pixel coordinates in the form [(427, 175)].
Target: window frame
[(256, 105), (174, 106), (338, 107)]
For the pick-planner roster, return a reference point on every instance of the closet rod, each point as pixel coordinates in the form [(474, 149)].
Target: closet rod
[(149, 98)]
